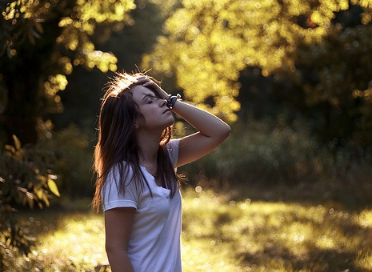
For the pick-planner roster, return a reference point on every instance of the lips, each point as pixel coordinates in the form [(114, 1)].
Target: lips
[(166, 111)]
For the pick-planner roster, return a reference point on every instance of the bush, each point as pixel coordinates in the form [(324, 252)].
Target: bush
[(257, 153), (73, 161), (26, 180)]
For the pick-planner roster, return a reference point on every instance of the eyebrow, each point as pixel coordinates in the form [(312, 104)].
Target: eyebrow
[(148, 95)]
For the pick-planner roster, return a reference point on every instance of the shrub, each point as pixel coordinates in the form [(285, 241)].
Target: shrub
[(73, 161), (257, 153), (26, 180)]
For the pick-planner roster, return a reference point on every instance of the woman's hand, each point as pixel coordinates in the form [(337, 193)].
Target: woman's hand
[(148, 83)]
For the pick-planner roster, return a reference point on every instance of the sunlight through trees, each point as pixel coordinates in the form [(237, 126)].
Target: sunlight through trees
[(315, 45)]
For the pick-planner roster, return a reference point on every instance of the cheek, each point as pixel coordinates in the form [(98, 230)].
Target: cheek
[(148, 116), (141, 120)]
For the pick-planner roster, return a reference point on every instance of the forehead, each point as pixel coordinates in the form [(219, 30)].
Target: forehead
[(139, 92)]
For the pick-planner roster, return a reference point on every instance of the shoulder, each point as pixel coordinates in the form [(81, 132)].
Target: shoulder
[(120, 175), (117, 170), (120, 191)]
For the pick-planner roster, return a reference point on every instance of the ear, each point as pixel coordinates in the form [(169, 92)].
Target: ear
[(136, 125)]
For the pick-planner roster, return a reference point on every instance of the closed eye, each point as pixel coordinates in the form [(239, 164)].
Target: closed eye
[(148, 99)]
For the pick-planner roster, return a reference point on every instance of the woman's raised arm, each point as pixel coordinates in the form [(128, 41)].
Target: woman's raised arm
[(211, 132)]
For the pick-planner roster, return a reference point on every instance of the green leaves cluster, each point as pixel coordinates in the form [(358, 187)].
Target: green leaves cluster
[(26, 179), (77, 22), (207, 44), (26, 175), (40, 44)]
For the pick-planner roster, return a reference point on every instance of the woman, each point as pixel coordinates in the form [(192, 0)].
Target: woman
[(135, 162)]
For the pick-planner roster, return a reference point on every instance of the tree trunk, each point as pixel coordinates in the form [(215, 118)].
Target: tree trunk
[(21, 112)]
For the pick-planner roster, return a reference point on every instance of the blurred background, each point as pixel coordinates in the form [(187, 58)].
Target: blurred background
[(292, 78)]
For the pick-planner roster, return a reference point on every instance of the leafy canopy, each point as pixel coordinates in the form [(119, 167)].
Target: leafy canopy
[(207, 43), (62, 31)]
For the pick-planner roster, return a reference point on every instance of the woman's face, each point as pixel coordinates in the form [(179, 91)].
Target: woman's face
[(156, 114)]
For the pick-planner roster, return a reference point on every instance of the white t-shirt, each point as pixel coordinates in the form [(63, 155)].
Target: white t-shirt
[(154, 244)]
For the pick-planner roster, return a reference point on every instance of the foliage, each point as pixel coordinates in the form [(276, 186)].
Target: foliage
[(26, 179), (207, 44), (72, 162), (26, 20), (82, 95), (40, 43), (288, 229), (259, 153), (51, 37), (340, 87)]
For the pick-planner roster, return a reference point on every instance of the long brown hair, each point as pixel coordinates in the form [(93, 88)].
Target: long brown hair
[(117, 146)]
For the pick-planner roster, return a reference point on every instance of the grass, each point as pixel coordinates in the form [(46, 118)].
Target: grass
[(258, 229), (276, 236)]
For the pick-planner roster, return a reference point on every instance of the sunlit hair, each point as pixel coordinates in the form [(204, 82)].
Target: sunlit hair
[(117, 145)]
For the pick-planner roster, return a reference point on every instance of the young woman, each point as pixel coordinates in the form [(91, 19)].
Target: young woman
[(135, 162)]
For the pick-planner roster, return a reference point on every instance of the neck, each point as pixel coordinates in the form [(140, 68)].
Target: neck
[(149, 146)]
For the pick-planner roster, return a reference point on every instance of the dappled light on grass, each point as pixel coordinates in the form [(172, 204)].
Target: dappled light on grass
[(74, 242), (221, 233), (273, 236), (76, 239)]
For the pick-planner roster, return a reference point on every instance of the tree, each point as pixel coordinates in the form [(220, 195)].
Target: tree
[(207, 44), (40, 43), (340, 86), (128, 45)]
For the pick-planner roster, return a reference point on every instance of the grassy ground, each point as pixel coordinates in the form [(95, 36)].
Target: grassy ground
[(304, 228)]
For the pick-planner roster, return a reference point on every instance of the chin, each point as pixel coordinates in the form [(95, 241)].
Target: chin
[(170, 124), (171, 121)]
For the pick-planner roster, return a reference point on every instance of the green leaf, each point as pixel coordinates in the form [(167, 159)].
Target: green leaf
[(39, 193), (46, 200), (53, 187), (39, 27), (10, 148), (30, 202), (17, 143)]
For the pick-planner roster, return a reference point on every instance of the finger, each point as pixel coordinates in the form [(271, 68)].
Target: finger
[(143, 80), (150, 83), (156, 88), (152, 86)]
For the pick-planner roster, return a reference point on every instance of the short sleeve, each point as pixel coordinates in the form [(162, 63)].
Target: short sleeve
[(172, 148), (112, 198)]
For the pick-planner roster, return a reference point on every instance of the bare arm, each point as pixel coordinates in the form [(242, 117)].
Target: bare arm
[(118, 225), (212, 131)]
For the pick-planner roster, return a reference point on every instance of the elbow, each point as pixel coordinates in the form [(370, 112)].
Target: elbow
[(109, 250), (225, 132), (112, 250)]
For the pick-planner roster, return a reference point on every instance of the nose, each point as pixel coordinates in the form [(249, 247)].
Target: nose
[(162, 102)]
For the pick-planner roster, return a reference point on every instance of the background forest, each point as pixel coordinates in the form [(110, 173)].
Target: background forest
[(292, 78)]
